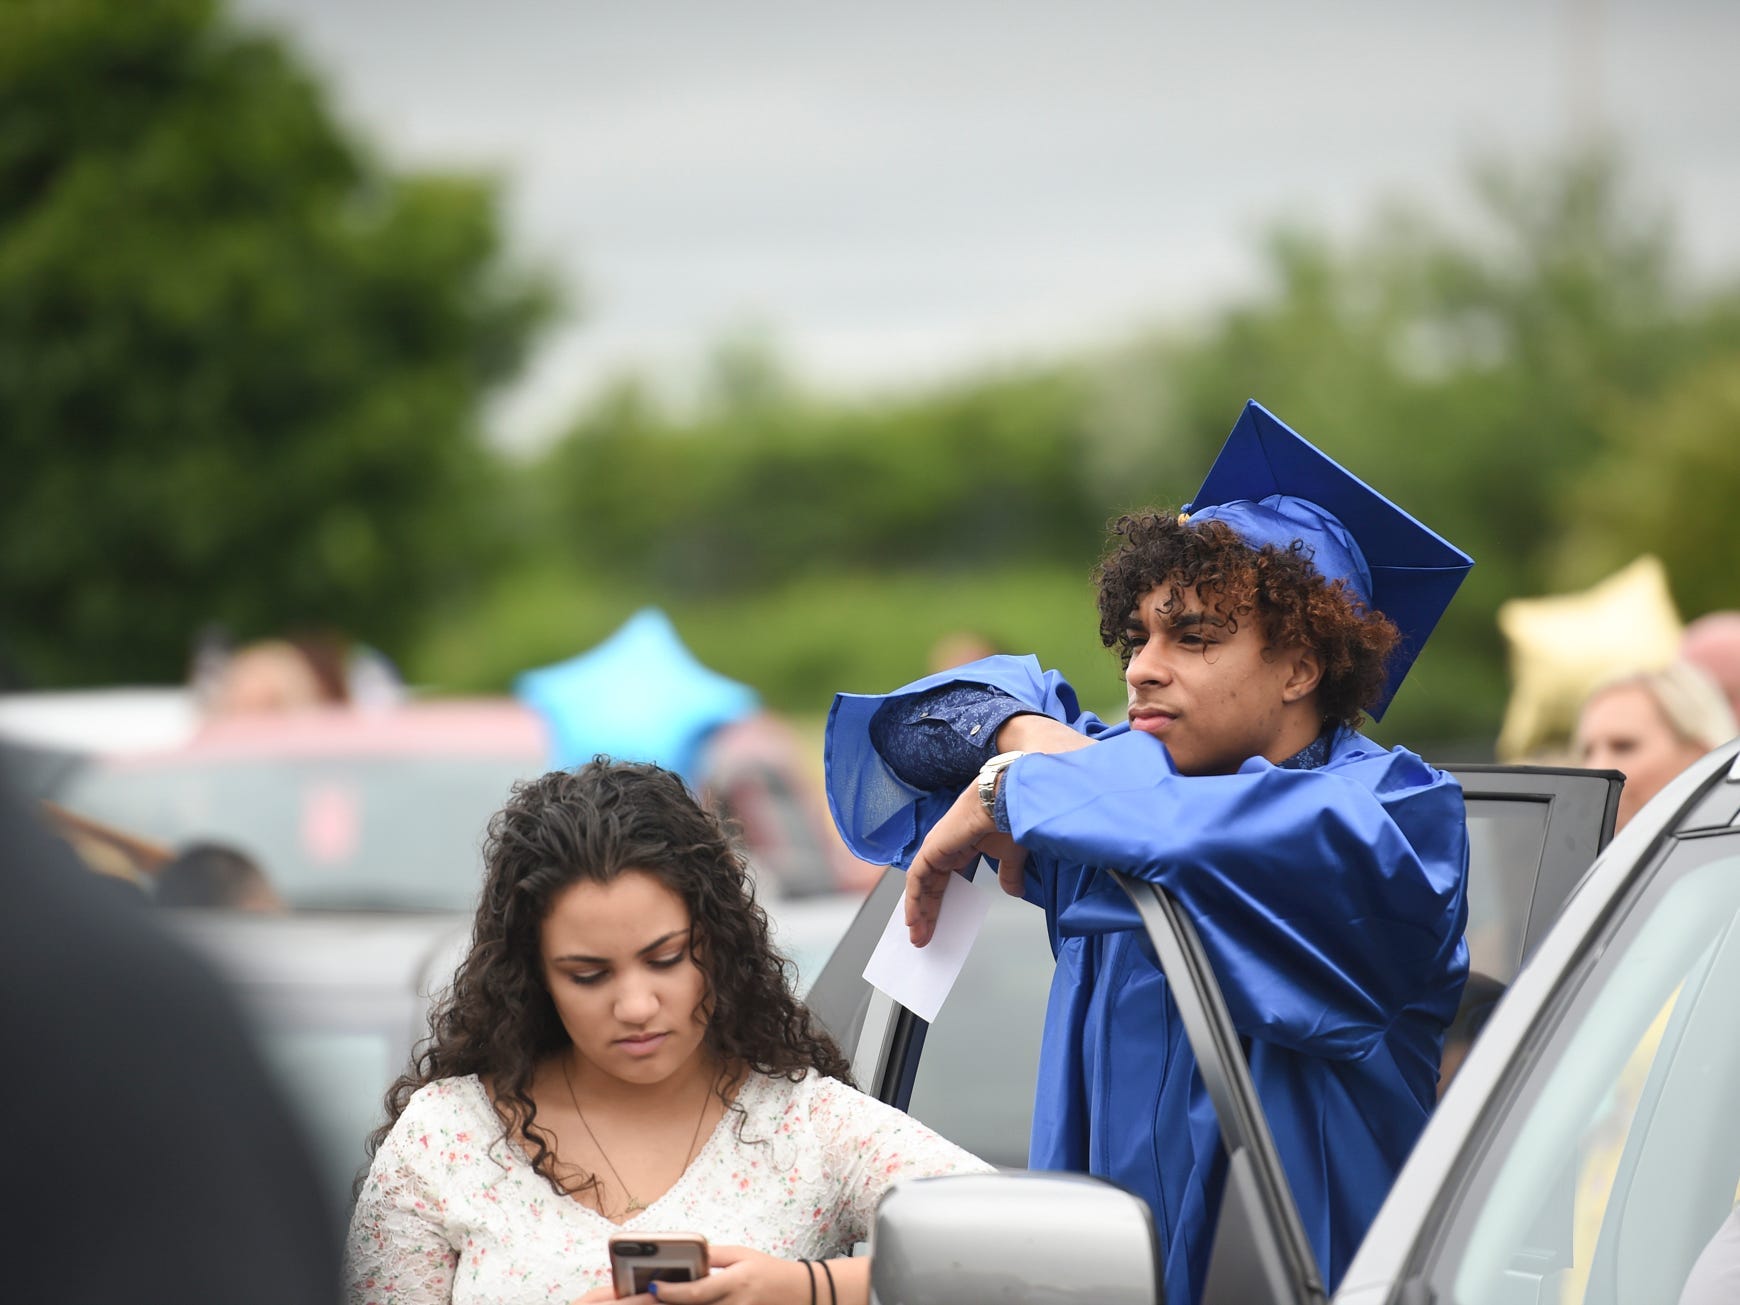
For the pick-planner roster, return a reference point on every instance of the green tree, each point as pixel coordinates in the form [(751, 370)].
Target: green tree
[(1667, 483), (241, 362), (766, 485)]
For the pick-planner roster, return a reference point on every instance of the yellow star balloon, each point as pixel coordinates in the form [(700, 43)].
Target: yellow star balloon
[(1562, 646)]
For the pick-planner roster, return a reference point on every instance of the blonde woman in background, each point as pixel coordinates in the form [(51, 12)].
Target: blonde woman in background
[(1651, 725)]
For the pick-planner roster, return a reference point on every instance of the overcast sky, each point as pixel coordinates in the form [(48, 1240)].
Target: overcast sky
[(900, 191)]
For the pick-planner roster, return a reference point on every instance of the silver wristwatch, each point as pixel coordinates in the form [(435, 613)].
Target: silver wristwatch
[(988, 777)]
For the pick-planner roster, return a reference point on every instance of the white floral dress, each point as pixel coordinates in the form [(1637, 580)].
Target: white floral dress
[(452, 1212)]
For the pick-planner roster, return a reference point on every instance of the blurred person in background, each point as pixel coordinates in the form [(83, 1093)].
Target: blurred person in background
[(278, 675), (151, 1158), (1561, 646), (215, 875), (1712, 643), (958, 647), (753, 777), (1649, 726), (621, 1050), (116, 856), (301, 671)]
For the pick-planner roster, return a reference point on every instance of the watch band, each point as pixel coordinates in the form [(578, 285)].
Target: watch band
[(987, 781)]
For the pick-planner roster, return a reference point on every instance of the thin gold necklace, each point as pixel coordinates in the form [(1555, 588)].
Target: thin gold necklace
[(635, 1204)]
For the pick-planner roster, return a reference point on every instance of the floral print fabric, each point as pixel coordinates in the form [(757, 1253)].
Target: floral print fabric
[(453, 1212)]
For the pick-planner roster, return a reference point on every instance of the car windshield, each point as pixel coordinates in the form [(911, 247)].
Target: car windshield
[(393, 832), (1621, 1158)]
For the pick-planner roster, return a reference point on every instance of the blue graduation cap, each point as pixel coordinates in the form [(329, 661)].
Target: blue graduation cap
[(639, 696), (1272, 487)]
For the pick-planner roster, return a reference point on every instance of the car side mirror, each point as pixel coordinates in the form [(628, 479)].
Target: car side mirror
[(1035, 1237)]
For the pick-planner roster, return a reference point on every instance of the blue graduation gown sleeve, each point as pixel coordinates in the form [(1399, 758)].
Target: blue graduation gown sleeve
[(1328, 900), (881, 817)]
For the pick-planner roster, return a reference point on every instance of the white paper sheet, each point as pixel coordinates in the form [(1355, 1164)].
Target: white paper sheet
[(919, 978)]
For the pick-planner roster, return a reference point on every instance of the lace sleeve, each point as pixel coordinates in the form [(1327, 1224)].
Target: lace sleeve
[(397, 1252), (872, 1146)]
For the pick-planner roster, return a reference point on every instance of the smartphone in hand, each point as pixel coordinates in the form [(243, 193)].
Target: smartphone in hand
[(637, 1259)]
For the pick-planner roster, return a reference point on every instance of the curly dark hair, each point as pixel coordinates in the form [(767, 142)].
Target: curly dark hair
[(1279, 587), (591, 824)]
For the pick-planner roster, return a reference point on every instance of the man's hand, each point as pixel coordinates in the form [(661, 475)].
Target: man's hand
[(967, 831), (1031, 732), (964, 834)]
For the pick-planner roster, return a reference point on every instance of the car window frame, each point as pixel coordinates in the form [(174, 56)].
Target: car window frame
[(1672, 1092), (1274, 1260), (1408, 1238), (1582, 809), (1442, 1233)]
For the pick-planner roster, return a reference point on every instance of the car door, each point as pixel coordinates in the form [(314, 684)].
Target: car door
[(970, 1076), (1592, 1154), (1533, 831)]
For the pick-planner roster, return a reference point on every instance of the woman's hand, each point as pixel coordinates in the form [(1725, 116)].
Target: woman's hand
[(744, 1277), (741, 1277)]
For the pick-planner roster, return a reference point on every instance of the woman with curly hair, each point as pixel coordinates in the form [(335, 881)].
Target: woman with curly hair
[(1325, 874), (621, 1050)]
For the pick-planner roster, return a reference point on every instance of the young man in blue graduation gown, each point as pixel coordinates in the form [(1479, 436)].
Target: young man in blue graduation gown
[(1325, 874)]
